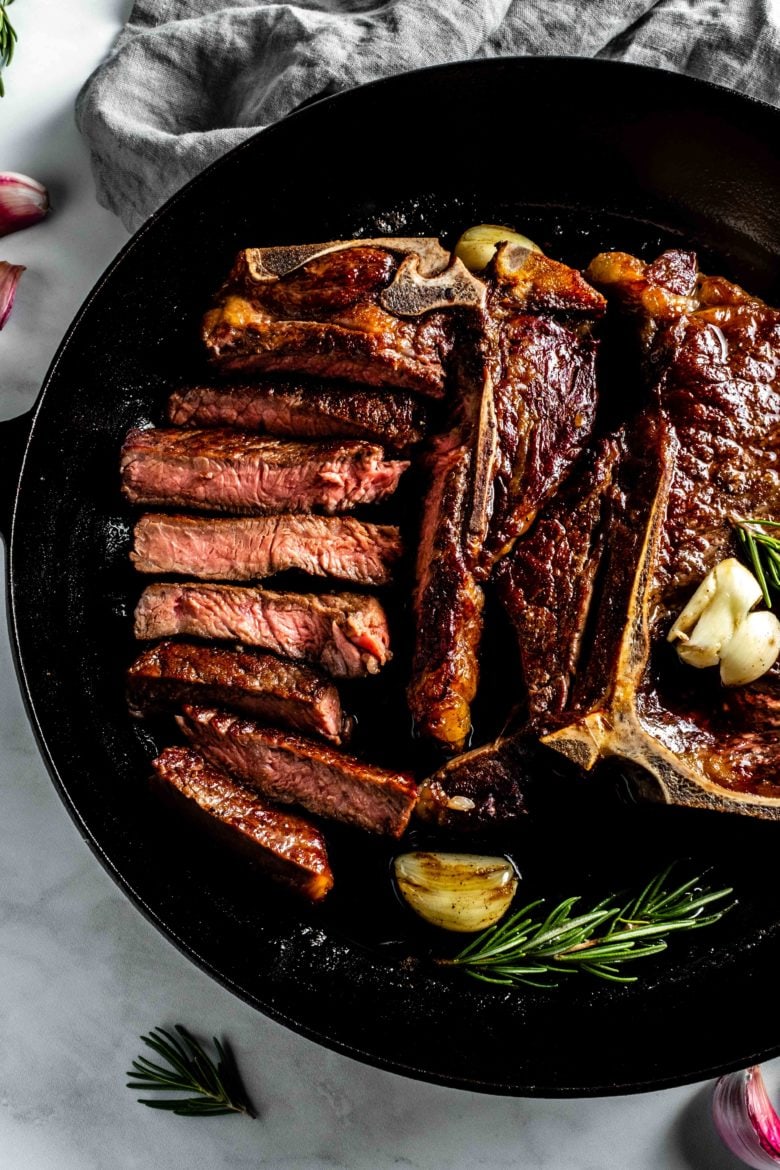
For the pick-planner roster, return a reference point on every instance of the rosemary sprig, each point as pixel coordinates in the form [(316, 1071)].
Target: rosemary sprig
[(762, 551), (217, 1088), (8, 40), (527, 950)]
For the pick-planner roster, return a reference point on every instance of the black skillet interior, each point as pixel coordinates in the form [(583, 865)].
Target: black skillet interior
[(583, 156)]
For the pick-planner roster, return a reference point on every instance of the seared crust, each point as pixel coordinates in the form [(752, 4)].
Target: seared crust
[(294, 770), (326, 318), (304, 410), (287, 847), (169, 674)]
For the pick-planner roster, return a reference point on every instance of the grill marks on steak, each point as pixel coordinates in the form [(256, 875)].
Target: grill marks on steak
[(345, 634), (294, 770), (168, 675), (302, 411), (329, 316), (712, 364), (229, 549), (286, 846), (230, 471)]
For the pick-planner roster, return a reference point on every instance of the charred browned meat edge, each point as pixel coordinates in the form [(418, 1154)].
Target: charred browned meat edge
[(542, 366), (480, 789), (346, 634), (365, 312), (246, 549), (294, 770), (302, 410), (234, 471), (546, 583), (448, 607), (710, 357), (287, 847), (169, 674)]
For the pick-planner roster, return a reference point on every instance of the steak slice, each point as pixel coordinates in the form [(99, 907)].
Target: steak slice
[(230, 549), (373, 311), (543, 372), (298, 410), (709, 442), (287, 847), (448, 605), (169, 674), (231, 471), (346, 633), (294, 770)]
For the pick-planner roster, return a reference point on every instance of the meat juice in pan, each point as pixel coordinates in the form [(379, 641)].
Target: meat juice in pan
[(583, 833)]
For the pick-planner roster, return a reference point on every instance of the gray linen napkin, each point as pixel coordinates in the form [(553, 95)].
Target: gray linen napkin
[(189, 79)]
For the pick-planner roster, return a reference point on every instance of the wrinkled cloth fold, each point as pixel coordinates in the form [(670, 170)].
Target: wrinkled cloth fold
[(189, 79)]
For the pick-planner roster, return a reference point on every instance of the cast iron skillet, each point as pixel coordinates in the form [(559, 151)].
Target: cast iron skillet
[(583, 155)]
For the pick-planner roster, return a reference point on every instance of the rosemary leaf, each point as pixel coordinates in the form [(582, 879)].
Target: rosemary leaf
[(217, 1085), (524, 950), (762, 551)]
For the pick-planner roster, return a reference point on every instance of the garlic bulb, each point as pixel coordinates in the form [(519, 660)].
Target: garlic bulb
[(477, 246), (9, 278), (716, 626), (745, 1119), (23, 202), (457, 891)]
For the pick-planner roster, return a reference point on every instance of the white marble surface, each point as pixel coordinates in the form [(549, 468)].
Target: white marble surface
[(81, 972)]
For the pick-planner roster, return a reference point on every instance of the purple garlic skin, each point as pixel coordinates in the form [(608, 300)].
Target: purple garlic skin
[(23, 202), (9, 278), (745, 1118)]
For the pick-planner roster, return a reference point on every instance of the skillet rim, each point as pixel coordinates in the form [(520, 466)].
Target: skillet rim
[(693, 1075)]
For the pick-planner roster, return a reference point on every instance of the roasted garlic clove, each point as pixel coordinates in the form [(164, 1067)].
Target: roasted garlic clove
[(752, 650), (712, 616), (477, 246), (463, 892)]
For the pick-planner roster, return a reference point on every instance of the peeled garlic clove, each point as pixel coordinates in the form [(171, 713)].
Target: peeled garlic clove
[(23, 202), (477, 246), (464, 892), (725, 596), (753, 649), (745, 1119), (9, 278)]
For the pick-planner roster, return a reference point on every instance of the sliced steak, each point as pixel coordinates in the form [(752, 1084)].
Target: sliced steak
[(299, 410), (294, 770), (287, 847), (346, 634), (705, 450), (168, 675), (230, 549), (448, 605), (232, 471), (373, 311)]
